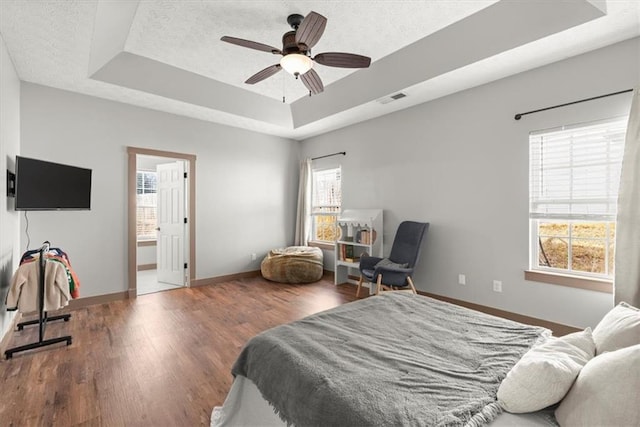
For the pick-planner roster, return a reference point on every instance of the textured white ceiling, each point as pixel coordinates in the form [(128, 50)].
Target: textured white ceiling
[(187, 34), (58, 43)]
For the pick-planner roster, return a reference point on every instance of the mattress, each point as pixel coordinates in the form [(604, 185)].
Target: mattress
[(245, 407)]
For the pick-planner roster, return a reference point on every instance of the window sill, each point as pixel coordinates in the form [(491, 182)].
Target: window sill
[(322, 245), (598, 285)]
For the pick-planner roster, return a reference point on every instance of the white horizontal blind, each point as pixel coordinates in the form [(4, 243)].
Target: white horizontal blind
[(327, 191), (575, 171)]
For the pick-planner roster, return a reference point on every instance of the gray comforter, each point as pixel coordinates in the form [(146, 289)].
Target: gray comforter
[(390, 360)]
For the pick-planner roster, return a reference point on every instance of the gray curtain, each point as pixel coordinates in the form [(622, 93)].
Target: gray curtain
[(303, 219), (627, 276)]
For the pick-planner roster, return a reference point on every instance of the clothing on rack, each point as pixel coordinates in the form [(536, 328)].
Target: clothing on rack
[(61, 283), (72, 278), (33, 253), (23, 292), (58, 255)]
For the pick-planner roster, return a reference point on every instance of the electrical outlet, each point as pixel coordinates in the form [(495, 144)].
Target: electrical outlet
[(462, 280), (253, 257), (497, 286)]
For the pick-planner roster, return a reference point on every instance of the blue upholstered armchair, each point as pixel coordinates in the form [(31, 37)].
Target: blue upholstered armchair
[(395, 272)]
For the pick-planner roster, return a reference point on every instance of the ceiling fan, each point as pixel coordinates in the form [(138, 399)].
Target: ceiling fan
[(296, 52)]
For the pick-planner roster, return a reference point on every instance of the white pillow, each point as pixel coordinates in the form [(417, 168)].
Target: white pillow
[(545, 373), (607, 392), (619, 328)]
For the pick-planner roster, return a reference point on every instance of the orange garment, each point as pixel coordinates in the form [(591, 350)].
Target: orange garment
[(23, 291)]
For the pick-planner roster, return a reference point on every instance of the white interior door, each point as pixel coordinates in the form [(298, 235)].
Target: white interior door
[(171, 222)]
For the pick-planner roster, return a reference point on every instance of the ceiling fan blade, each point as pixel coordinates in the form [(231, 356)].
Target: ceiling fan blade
[(263, 74), (312, 81), (343, 60), (311, 29), (251, 45)]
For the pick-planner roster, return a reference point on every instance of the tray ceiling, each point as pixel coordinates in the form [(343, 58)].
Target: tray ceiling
[(167, 55)]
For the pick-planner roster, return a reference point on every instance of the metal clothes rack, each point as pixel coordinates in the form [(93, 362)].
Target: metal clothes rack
[(43, 317)]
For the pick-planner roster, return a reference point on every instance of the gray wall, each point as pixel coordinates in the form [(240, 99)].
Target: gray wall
[(461, 163), (9, 147), (246, 183)]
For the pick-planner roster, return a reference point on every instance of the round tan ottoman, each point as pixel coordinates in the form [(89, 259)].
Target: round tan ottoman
[(295, 264)]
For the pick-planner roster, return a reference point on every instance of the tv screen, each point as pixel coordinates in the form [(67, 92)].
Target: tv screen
[(44, 185)]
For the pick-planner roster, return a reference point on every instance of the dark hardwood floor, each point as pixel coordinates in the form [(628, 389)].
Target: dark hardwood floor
[(162, 359)]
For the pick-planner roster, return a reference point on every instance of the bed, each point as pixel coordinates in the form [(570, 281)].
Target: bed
[(393, 359), (404, 359)]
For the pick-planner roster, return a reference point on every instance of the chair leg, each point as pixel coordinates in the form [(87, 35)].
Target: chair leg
[(379, 284), (359, 285), (413, 288)]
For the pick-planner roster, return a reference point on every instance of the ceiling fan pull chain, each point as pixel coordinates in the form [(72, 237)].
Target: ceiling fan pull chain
[(283, 90)]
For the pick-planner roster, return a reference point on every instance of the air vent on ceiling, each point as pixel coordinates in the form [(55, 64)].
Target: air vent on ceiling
[(391, 98)]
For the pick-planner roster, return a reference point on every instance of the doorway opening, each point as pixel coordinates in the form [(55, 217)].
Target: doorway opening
[(161, 216)]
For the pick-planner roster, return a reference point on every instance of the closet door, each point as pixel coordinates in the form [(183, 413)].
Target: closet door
[(171, 223)]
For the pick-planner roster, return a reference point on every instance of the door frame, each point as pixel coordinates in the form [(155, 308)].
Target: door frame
[(132, 241)]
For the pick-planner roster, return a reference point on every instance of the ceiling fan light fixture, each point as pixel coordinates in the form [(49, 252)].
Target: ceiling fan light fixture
[(296, 52), (296, 64)]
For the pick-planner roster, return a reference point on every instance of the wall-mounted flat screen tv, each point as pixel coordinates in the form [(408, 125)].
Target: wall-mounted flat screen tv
[(42, 185)]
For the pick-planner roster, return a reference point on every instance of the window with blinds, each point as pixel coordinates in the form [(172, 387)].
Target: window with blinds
[(326, 201), (146, 199), (574, 179)]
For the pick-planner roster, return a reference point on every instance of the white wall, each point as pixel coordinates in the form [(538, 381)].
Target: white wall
[(9, 147), (147, 255), (246, 183), (461, 163)]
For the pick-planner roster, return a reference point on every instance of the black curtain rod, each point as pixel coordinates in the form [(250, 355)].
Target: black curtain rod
[(344, 153), (519, 115)]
